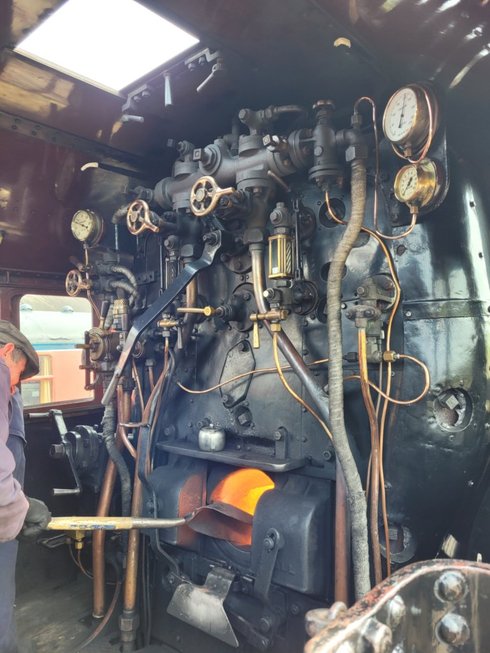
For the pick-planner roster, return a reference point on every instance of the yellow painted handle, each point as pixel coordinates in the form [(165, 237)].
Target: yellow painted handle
[(110, 523)]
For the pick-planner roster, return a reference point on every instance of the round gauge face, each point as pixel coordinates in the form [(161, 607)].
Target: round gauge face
[(400, 116), (85, 226), (406, 184)]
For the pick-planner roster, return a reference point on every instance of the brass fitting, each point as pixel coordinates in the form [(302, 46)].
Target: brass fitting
[(274, 316), (167, 324), (390, 356), (207, 311), (78, 538)]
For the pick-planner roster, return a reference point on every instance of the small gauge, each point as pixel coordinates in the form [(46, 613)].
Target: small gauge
[(87, 227), (410, 118), (417, 185)]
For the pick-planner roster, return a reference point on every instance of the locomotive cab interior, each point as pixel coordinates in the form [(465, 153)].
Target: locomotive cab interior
[(255, 268)]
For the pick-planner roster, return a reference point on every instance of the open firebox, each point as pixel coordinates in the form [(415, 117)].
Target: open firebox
[(255, 542)]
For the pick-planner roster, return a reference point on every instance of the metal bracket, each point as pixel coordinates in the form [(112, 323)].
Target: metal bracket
[(273, 543), (212, 245), (202, 606)]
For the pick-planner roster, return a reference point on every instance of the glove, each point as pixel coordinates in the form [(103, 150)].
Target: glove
[(37, 518)]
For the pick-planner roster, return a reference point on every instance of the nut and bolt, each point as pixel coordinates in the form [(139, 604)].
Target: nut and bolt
[(269, 543), (280, 433), (265, 624)]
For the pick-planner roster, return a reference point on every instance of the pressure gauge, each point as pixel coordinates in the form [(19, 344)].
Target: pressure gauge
[(410, 118), (87, 227), (417, 185)]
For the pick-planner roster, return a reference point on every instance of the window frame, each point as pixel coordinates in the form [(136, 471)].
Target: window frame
[(11, 296)]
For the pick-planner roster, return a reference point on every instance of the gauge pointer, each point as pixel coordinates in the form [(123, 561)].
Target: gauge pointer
[(403, 109)]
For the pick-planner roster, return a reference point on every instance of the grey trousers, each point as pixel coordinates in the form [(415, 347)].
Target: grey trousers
[(8, 559)]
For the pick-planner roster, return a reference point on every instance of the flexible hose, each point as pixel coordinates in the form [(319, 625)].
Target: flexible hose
[(356, 496), (127, 287), (108, 435), (121, 269)]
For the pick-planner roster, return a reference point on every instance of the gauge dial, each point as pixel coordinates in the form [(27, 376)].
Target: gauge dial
[(87, 227), (400, 115), (406, 121), (407, 183), (417, 185)]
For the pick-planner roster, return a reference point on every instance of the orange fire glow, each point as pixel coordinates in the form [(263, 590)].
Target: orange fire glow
[(243, 489)]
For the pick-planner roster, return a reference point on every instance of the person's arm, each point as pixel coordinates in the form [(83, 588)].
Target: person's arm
[(13, 503)]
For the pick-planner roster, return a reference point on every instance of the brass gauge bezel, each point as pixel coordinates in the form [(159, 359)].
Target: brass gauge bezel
[(427, 185), (96, 228), (420, 129)]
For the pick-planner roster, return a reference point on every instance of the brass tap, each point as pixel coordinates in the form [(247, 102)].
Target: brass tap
[(274, 316)]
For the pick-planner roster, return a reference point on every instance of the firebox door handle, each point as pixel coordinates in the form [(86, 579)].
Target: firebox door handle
[(272, 544), (212, 245)]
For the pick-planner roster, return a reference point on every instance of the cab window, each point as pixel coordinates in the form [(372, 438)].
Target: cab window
[(55, 326)]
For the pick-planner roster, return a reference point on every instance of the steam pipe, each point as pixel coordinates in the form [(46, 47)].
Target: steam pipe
[(357, 498), (129, 618), (98, 540)]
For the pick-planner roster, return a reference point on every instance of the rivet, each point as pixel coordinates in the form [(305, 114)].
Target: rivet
[(453, 629), (450, 586), (396, 611)]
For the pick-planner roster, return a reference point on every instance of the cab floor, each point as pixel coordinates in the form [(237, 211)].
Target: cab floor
[(53, 607), (57, 619)]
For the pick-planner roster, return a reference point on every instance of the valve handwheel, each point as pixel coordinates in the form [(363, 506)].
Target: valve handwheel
[(74, 283), (138, 218), (205, 195)]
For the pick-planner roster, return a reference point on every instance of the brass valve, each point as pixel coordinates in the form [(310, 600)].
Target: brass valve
[(138, 218), (75, 283), (274, 316), (205, 195)]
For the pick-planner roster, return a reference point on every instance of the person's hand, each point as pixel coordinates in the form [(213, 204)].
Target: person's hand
[(37, 518)]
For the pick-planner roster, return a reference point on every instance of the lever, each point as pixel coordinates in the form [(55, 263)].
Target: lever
[(212, 245)]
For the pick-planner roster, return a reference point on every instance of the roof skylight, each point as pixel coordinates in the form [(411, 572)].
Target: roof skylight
[(108, 43)]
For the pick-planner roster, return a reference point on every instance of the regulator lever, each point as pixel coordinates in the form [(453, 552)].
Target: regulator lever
[(212, 245)]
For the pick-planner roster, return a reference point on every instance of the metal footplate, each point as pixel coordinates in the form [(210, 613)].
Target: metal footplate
[(202, 606)]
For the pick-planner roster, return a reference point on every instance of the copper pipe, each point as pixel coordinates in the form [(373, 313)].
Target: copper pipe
[(98, 540), (98, 562), (342, 538), (190, 301), (124, 437), (131, 577), (191, 293)]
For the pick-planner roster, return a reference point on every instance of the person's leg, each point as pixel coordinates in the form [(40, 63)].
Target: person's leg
[(8, 557)]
